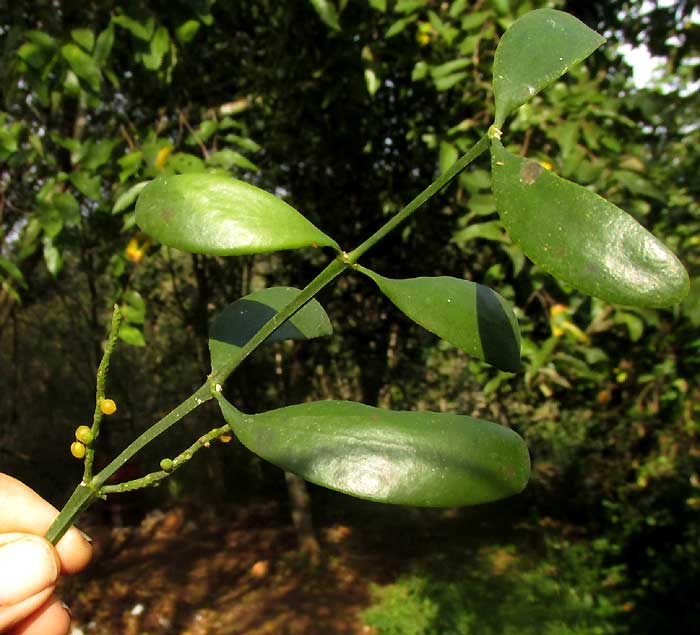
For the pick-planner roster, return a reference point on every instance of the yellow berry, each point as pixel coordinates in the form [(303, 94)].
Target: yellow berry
[(77, 449), (108, 407), (84, 434), (225, 438)]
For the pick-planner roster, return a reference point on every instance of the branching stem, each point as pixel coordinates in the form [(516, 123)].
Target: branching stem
[(94, 487)]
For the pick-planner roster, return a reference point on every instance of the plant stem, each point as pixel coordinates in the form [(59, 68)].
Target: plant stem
[(86, 492), (155, 477), (444, 179), (329, 273), (100, 391), (95, 487)]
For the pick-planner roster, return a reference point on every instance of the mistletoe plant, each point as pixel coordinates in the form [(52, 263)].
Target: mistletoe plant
[(411, 458)]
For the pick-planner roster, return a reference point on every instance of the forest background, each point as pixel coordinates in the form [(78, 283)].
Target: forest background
[(347, 110)]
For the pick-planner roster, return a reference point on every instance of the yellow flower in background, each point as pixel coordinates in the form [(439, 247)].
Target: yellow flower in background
[(135, 251), (424, 33), (162, 157), (560, 325), (546, 165)]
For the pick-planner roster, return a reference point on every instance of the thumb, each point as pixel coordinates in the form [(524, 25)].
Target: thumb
[(28, 564)]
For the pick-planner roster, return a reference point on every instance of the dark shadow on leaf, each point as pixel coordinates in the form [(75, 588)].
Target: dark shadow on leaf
[(243, 319), (499, 337)]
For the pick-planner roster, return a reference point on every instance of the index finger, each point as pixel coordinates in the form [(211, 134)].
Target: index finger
[(23, 510)]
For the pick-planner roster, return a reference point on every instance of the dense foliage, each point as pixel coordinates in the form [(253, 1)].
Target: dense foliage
[(347, 112)]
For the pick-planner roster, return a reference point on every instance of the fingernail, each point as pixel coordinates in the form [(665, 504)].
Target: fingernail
[(66, 608), (84, 535), (27, 566)]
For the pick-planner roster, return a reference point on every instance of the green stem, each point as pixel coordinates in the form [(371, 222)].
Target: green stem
[(332, 271), (444, 179), (155, 477), (100, 391), (88, 490)]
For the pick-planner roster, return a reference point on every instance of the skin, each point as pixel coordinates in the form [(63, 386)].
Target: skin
[(30, 566)]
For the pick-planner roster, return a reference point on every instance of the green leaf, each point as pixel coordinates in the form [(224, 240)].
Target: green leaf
[(160, 45), (184, 163), (581, 238), (52, 257), (448, 155), (425, 459), (187, 30), (90, 186), (242, 319), (536, 50), (399, 26), (443, 70), (372, 82), (13, 271), (34, 55), (142, 30), (218, 215), (69, 207), (51, 221), (131, 335), (134, 307), (98, 154), (447, 82), (691, 305), (103, 46), (128, 197), (242, 142), (488, 231), (327, 12), (471, 316), (83, 65), (229, 158), (84, 37)]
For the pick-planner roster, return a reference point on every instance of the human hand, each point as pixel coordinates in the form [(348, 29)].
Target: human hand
[(29, 564)]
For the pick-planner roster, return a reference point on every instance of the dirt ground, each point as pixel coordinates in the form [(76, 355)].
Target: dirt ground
[(186, 571)]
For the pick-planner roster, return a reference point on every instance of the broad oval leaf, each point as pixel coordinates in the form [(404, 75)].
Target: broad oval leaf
[(425, 459), (470, 316), (243, 318), (581, 238), (221, 216), (536, 50)]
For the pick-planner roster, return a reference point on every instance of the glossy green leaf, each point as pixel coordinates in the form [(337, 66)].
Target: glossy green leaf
[(242, 319), (425, 459), (218, 215), (581, 238), (82, 65), (536, 50), (471, 316)]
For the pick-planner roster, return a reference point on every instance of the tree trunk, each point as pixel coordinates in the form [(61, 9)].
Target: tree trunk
[(301, 516)]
